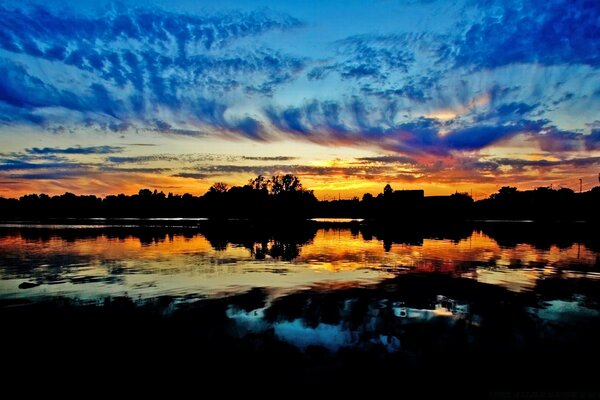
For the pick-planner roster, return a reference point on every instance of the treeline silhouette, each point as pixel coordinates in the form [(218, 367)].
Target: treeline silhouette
[(283, 198), (542, 203)]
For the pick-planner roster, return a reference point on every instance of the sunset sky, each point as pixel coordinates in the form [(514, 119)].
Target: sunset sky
[(106, 97)]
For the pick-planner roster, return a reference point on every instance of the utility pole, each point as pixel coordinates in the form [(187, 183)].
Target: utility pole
[(580, 185)]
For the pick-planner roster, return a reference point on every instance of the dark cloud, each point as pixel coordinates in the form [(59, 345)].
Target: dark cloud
[(572, 162), (22, 156), (134, 170), (507, 112), (19, 165), (21, 90), (226, 169), (191, 175), (478, 137), (142, 159), (180, 158), (76, 150), (592, 141)]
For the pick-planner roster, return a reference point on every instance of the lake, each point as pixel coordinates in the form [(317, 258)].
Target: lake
[(95, 261), (404, 298)]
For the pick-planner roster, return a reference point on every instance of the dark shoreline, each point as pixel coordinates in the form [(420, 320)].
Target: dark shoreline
[(259, 203)]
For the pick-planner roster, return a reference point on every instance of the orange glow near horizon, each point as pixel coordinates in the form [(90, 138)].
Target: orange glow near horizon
[(341, 172), (325, 188), (173, 263)]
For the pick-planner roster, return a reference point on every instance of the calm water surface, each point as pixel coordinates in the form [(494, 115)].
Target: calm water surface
[(95, 261), (497, 306)]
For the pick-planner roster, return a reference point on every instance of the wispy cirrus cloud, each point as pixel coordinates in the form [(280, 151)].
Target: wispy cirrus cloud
[(357, 122), (140, 60)]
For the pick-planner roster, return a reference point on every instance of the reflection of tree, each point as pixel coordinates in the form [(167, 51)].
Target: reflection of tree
[(284, 250), (413, 235), (543, 236), (261, 240)]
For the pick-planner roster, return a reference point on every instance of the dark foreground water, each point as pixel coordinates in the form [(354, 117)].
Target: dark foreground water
[(482, 308)]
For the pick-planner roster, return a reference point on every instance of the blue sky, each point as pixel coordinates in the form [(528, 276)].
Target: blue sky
[(100, 97)]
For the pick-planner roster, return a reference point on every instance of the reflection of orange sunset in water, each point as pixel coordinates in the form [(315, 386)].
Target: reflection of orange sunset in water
[(478, 256), (178, 264)]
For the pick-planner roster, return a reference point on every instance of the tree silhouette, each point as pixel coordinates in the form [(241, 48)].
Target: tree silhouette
[(285, 183), (505, 192), (218, 187), (387, 190), (284, 198), (259, 183)]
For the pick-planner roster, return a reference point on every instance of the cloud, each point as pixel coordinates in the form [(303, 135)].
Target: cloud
[(506, 112), (592, 141), (179, 158), (274, 158), (142, 159), (553, 140), (550, 33), (23, 32), (134, 170), (374, 57), (18, 165), (355, 122), (388, 159), (573, 162), (211, 171), (24, 91), (480, 136), (53, 175), (133, 62), (76, 150), (499, 72), (191, 175)]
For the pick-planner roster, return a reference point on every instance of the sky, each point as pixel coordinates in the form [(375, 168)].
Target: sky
[(102, 97)]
